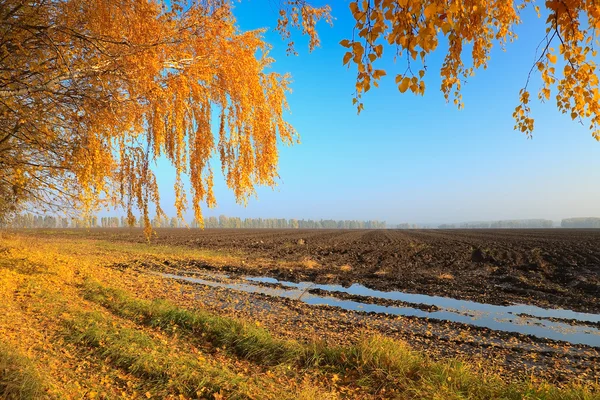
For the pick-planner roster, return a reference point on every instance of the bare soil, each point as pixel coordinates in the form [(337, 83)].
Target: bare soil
[(552, 268), (513, 355)]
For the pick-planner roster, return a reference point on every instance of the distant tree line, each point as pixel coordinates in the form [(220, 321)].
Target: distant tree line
[(405, 225), (447, 226), (29, 220), (502, 224), (222, 222), (588, 222), (522, 223), (475, 225)]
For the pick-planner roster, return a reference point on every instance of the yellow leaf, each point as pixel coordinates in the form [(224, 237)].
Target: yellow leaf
[(404, 85), (347, 58), (446, 27), (429, 10), (378, 50), (378, 73), (552, 58)]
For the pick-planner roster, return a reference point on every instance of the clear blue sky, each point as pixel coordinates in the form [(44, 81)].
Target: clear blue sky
[(409, 158)]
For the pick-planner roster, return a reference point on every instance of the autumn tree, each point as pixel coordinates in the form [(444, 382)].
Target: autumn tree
[(92, 92), (411, 30)]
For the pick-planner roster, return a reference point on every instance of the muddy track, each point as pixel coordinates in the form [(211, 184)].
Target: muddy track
[(514, 355), (554, 268)]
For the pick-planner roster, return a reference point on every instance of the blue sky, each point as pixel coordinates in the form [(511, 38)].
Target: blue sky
[(410, 158)]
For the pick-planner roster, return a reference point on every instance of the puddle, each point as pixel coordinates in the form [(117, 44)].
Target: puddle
[(539, 322)]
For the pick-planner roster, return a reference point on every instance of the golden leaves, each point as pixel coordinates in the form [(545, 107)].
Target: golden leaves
[(430, 10), (413, 28), (403, 86), (577, 89), (378, 73), (300, 15), (413, 83), (146, 83)]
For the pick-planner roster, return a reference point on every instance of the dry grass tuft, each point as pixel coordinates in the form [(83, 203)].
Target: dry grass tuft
[(310, 264), (18, 377)]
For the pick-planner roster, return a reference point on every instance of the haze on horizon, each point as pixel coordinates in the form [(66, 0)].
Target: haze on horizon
[(416, 159)]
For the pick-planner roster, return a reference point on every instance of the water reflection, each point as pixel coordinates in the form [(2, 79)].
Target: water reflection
[(501, 318)]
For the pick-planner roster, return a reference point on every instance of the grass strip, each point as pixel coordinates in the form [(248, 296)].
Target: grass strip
[(378, 361), (159, 364), (375, 362), (18, 377), (244, 340)]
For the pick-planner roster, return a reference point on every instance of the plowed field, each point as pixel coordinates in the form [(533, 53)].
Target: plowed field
[(548, 268)]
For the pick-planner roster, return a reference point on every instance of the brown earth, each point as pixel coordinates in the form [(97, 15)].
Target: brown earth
[(513, 355), (549, 268)]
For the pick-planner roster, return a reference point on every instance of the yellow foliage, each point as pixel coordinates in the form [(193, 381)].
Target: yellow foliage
[(301, 15), (92, 92), (414, 28)]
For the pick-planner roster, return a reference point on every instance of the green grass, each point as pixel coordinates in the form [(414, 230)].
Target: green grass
[(18, 377), (378, 364), (244, 340), (165, 370), (379, 361)]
